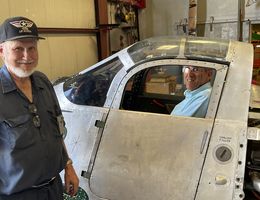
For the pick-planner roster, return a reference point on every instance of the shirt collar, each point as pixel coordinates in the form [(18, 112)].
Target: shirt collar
[(7, 82), (8, 85), (201, 88)]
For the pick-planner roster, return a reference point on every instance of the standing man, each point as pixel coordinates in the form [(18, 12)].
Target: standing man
[(198, 90), (32, 151)]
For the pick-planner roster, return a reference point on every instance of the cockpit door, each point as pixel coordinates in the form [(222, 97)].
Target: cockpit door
[(150, 156), (153, 156)]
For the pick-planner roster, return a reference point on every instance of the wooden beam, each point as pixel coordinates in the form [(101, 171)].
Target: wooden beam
[(103, 34), (46, 30)]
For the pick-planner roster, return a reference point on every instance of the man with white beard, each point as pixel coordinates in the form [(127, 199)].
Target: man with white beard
[(197, 93), (32, 151)]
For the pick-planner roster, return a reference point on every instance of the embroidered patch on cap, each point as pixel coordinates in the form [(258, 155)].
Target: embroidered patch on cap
[(24, 25)]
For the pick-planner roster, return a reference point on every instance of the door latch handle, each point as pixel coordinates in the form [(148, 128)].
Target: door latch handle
[(203, 143)]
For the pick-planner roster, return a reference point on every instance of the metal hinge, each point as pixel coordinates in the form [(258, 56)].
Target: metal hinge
[(85, 174), (100, 124)]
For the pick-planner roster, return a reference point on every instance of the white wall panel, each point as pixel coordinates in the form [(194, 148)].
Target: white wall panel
[(64, 55), (168, 14), (161, 17), (252, 12), (221, 10), (52, 13), (146, 22)]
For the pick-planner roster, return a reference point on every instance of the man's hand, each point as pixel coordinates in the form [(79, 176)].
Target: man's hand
[(71, 180)]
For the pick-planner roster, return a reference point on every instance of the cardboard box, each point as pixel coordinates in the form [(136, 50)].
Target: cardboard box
[(162, 78), (160, 88)]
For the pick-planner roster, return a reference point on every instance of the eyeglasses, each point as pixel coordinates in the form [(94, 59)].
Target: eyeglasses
[(36, 117), (192, 69)]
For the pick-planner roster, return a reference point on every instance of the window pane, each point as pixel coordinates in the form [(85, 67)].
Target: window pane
[(91, 87), (203, 49), (165, 80), (155, 47), (157, 89)]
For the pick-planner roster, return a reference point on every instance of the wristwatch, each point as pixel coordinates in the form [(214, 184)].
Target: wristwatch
[(69, 162)]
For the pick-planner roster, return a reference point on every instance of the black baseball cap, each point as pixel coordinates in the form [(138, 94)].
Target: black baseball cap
[(17, 28)]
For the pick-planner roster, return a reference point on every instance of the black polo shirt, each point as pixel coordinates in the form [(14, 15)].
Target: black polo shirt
[(29, 155)]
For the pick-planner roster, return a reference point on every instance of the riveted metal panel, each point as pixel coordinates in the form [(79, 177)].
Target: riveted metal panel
[(150, 156)]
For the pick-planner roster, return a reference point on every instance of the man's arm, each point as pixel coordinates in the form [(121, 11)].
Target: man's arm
[(70, 177)]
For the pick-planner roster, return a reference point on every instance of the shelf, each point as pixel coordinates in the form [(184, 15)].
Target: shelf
[(127, 2), (108, 26), (125, 14), (112, 26), (255, 41), (128, 27)]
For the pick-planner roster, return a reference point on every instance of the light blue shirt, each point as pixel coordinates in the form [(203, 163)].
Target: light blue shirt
[(195, 103)]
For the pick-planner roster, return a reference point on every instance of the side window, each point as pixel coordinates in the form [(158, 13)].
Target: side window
[(157, 89), (90, 88)]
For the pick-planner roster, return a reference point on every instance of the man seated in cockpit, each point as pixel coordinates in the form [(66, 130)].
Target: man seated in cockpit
[(197, 93)]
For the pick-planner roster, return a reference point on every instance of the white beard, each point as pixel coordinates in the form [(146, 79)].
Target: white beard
[(20, 72)]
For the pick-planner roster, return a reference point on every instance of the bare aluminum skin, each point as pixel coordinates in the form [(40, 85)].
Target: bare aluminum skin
[(129, 155)]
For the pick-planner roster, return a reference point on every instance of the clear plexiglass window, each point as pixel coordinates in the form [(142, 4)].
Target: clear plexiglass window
[(156, 89), (91, 87)]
